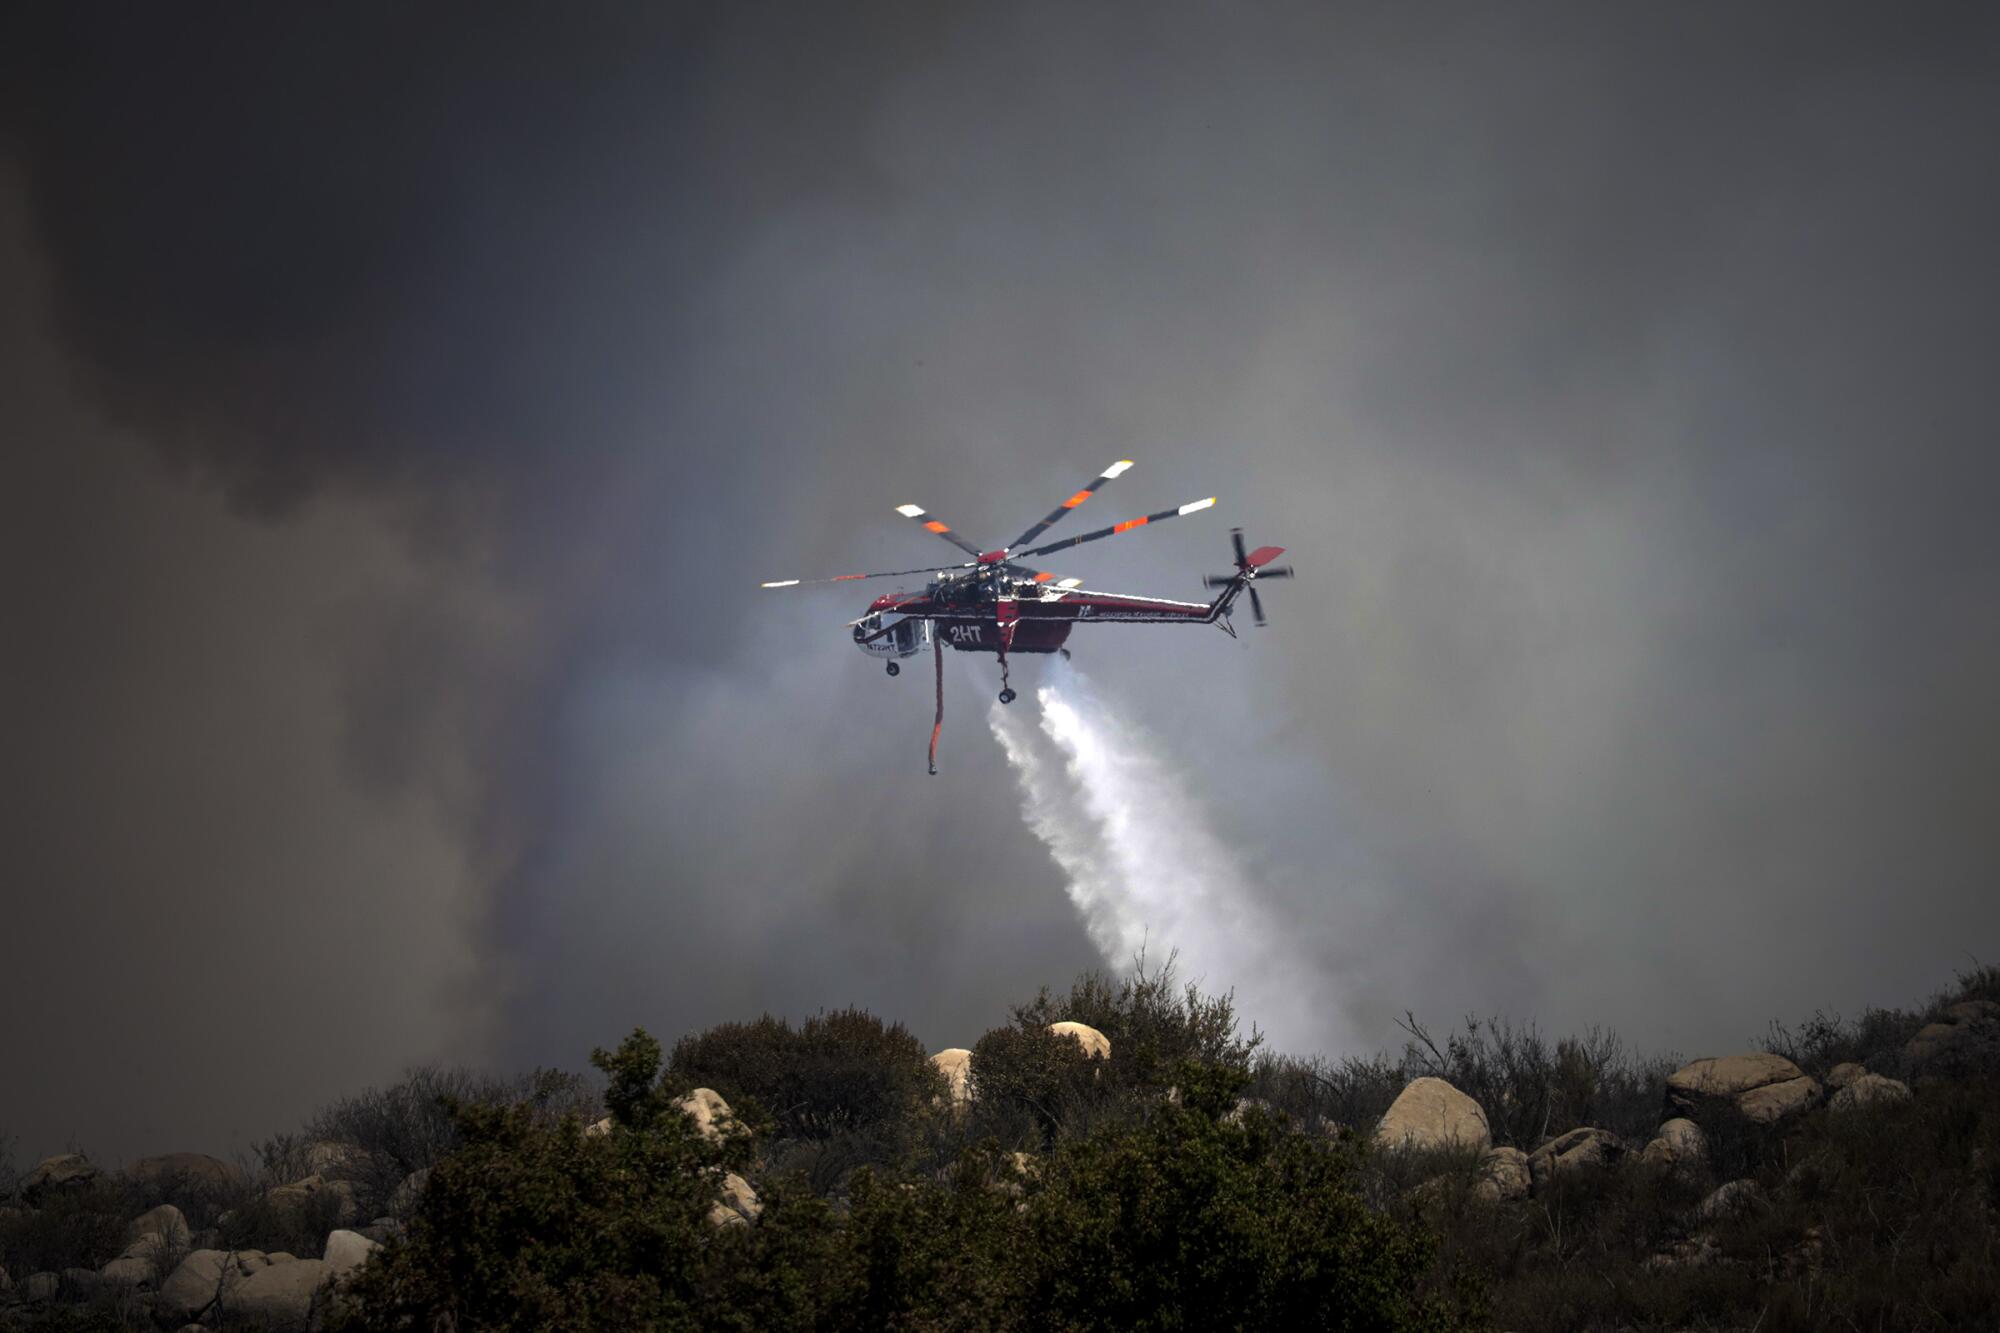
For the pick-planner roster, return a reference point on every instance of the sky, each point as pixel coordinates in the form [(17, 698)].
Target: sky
[(402, 407)]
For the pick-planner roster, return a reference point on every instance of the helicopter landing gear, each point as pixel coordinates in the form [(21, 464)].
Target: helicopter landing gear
[(895, 670), (1007, 696)]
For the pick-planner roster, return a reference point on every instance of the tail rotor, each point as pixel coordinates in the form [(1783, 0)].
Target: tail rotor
[(1250, 566)]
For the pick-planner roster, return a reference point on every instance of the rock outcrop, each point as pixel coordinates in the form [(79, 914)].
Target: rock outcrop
[(1967, 1035), (1843, 1074), (1761, 1087), (711, 1115), (738, 1204), (1096, 1045), (1430, 1113), (302, 1195), (184, 1171), (1574, 1151), (280, 1295), (955, 1063), (347, 1251), (1679, 1144), (1868, 1090), (197, 1284), (57, 1175), (1503, 1176), (404, 1198)]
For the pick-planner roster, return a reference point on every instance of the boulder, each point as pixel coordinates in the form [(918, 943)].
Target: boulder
[(59, 1175), (598, 1129), (1735, 1197), (1430, 1113), (249, 1261), (738, 1204), (709, 1112), (1973, 1011), (1843, 1074), (1679, 1144), (175, 1172), (280, 1257), (1762, 1087), (337, 1161), (157, 1233), (1868, 1090), (955, 1064), (1580, 1148), (281, 1295), (309, 1193), (131, 1271), (404, 1198), (1096, 1045), (196, 1284), (1967, 1036), (1779, 1101), (82, 1282), (42, 1286), (1503, 1176), (347, 1251)]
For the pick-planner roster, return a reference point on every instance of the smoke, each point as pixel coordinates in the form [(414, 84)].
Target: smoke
[(1146, 868)]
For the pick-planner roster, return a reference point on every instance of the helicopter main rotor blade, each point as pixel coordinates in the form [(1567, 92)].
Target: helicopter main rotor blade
[(846, 578), (1117, 528), (1114, 470), (943, 530), (1256, 605), (1236, 540)]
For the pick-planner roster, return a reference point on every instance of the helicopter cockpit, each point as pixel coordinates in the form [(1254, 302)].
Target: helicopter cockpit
[(909, 637)]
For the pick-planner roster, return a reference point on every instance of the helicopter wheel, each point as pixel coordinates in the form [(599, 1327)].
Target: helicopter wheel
[(895, 670), (1007, 696)]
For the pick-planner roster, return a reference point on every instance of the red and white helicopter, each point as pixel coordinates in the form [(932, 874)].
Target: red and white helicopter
[(991, 604)]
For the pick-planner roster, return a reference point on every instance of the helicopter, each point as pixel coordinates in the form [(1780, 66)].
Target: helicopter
[(992, 603)]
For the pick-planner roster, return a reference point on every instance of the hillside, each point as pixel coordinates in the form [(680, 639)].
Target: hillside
[(1120, 1155)]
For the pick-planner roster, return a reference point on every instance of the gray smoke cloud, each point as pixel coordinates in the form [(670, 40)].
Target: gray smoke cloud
[(411, 403)]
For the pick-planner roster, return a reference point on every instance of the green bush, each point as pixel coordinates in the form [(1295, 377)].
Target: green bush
[(528, 1225), (1030, 1072), (1152, 1020), (836, 1074), (1200, 1219), (1186, 1219), (73, 1228)]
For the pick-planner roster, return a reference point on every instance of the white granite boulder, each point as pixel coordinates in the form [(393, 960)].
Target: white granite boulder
[(1096, 1046), (1761, 1087), (58, 1175), (1868, 1090), (737, 1205), (1679, 1144), (347, 1251), (196, 1284), (1430, 1113), (1843, 1074), (1574, 1151), (711, 1115), (1503, 1176), (955, 1063), (281, 1295)]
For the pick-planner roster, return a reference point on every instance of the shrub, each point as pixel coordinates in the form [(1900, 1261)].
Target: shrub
[(73, 1228), (1029, 1073), (839, 1074), (1198, 1219), (1153, 1022), (528, 1225), (407, 1126), (1531, 1090)]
